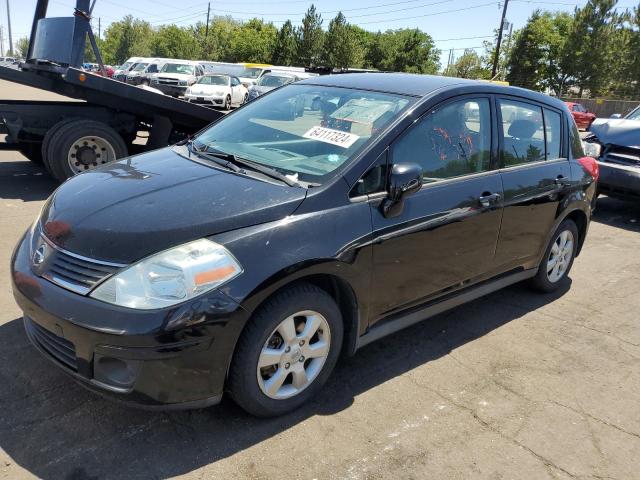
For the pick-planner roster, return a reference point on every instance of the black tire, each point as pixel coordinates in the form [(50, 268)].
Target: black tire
[(541, 281), (243, 382), (51, 133), (227, 103), (244, 100), (31, 150), (58, 148)]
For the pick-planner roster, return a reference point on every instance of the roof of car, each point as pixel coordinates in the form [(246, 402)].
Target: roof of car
[(414, 84)]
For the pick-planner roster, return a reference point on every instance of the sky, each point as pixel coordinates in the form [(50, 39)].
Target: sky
[(453, 24)]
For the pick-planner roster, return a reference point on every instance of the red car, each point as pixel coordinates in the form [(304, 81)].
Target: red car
[(581, 115)]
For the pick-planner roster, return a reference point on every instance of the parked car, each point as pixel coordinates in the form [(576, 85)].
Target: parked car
[(7, 61), (121, 72), (246, 259), (273, 80), (176, 76), (217, 90), (615, 142), (142, 73), (581, 115)]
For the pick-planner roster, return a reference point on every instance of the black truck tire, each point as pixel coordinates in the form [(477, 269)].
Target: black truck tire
[(52, 133), (94, 143)]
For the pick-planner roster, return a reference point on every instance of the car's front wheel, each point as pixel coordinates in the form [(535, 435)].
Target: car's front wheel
[(286, 352), (558, 258)]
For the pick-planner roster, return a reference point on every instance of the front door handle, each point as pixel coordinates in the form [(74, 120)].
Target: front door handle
[(561, 181), (487, 199)]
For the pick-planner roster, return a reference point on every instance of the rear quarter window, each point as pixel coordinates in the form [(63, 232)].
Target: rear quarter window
[(576, 142)]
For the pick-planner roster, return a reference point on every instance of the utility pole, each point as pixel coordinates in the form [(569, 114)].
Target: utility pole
[(206, 29), (1, 41), (99, 28), (504, 70), (497, 57), (9, 25)]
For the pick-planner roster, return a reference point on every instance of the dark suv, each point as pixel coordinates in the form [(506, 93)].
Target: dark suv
[(246, 259)]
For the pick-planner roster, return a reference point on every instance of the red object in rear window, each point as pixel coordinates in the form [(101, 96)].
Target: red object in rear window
[(591, 166)]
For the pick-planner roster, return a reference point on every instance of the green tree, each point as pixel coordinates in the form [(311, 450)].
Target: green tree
[(342, 48), (126, 38), (310, 38), (404, 50), (285, 49), (253, 42), (469, 65), (171, 41), (21, 47)]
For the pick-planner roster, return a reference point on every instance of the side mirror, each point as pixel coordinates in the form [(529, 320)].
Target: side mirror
[(616, 115), (405, 179)]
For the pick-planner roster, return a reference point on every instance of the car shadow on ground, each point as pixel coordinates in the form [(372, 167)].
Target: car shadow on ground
[(26, 181), (53, 428), (618, 213)]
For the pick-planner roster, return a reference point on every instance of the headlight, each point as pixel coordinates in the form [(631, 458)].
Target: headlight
[(170, 277), (183, 83), (154, 80), (592, 149)]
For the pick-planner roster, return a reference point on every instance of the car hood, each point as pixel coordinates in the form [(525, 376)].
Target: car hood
[(134, 207), (617, 131)]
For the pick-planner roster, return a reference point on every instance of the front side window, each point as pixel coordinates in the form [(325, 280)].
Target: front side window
[(307, 131), (451, 141), (140, 67), (153, 68), (523, 131)]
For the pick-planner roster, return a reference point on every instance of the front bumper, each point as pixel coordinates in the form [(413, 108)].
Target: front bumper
[(167, 358), (619, 180), (205, 100)]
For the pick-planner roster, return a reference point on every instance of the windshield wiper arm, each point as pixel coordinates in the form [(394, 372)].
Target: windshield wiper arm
[(218, 159), (258, 167)]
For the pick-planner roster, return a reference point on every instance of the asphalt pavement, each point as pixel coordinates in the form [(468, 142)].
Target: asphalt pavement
[(514, 385)]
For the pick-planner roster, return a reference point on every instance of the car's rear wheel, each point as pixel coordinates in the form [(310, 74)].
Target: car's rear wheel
[(558, 258), (286, 352), (227, 103)]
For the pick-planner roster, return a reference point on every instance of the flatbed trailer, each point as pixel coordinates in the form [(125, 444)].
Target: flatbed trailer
[(72, 136)]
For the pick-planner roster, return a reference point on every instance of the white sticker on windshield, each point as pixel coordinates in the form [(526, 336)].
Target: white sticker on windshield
[(334, 137)]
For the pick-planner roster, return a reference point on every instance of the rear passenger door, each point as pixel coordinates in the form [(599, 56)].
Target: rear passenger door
[(446, 235), (535, 173)]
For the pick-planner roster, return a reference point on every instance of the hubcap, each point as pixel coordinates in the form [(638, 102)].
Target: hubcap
[(293, 355), (560, 256), (89, 152)]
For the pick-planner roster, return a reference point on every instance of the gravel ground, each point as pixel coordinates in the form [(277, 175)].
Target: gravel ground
[(514, 385)]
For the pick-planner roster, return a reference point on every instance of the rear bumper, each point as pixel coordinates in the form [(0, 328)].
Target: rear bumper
[(170, 359), (619, 180)]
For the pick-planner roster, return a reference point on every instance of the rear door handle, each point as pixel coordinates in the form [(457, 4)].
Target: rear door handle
[(487, 199)]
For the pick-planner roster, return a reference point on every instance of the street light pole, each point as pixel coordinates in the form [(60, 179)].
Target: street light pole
[(496, 59), (9, 25)]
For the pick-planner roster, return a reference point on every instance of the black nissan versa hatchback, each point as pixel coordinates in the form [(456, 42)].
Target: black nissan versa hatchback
[(310, 222)]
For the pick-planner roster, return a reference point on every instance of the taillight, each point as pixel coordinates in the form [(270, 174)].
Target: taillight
[(591, 166)]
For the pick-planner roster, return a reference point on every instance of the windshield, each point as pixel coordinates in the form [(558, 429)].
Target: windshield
[(214, 80), (251, 72), (178, 68), (228, 69), (634, 115), (272, 81), (140, 67), (307, 131), (126, 65)]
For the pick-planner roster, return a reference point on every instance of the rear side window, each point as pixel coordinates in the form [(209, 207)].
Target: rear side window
[(523, 130), (451, 141), (553, 134), (577, 150)]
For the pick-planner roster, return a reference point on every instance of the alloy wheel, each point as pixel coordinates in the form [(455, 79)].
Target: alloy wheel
[(560, 256), (293, 355)]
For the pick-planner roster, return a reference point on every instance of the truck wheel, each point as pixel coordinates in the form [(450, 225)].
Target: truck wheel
[(83, 145), (51, 133), (287, 351)]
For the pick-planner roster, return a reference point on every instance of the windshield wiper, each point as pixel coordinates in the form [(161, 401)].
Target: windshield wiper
[(213, 157), (258, 167)]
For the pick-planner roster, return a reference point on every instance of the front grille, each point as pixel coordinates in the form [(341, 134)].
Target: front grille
[(59, 348), (73, 272), (168, 81), (623, 156)]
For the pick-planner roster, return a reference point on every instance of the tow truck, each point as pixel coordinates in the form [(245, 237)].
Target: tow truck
[(73, 136)]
